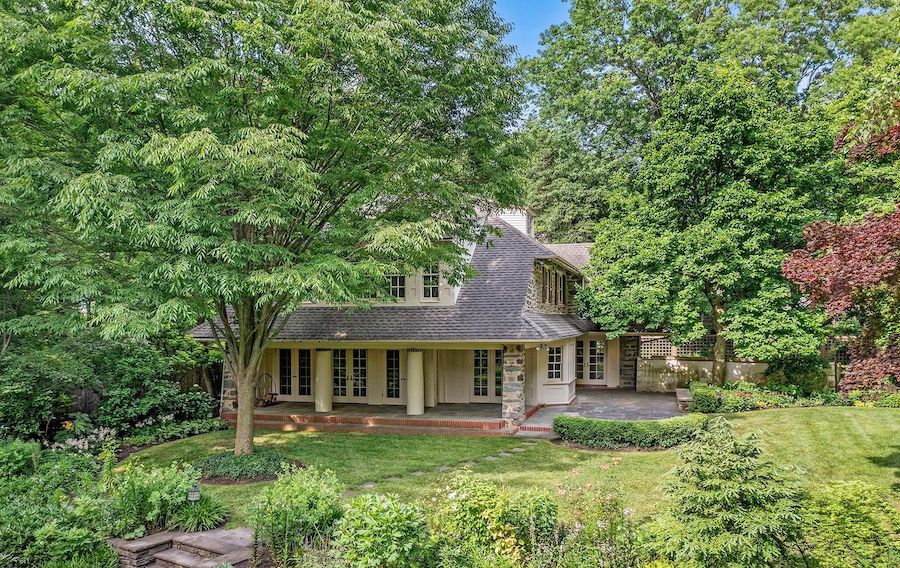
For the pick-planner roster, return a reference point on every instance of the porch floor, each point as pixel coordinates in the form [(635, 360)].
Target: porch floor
[(615, 404), (480, 411)]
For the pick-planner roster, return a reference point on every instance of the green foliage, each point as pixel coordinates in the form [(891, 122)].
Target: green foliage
[(18, 457), (743, 396), (479, 514), (380, 531), (262, 463), (891, 400), (851, 524), (613, 434), (101, 557), (302, 506), (142, 500), (207, 513), (160, 432), (36, 390), (798, 375), (728, 506)]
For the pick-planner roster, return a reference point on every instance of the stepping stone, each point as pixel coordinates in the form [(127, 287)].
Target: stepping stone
[(490, 458), (518, 450), (443, 468), (392, 478), (468, 464), (368, 485), (530, 442), (504, 454), (417, 473)]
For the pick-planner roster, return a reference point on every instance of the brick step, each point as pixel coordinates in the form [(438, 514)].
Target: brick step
[(495, 424), (377, 429)]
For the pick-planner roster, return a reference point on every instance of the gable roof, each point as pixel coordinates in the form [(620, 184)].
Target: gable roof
[(576, 254), (490, 306)]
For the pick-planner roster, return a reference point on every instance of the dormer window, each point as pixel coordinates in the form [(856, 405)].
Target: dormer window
[(431, 280), (397, 283)]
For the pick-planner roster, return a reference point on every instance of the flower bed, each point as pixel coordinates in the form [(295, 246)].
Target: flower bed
[(743, 397)]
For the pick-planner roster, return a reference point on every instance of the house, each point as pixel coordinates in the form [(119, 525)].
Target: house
[(509, 337)]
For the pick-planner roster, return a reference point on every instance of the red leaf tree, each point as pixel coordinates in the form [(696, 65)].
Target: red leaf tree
[(854, 270)]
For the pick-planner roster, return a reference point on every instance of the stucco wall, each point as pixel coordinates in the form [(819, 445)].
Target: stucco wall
[(664, 375)]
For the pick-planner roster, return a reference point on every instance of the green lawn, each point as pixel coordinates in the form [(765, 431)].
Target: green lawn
[(827, 443)]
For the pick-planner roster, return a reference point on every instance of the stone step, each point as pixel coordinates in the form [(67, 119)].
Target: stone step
[(175, 558), (203, 545)]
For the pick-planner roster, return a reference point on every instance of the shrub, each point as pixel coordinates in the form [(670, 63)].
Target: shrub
[(207, 513), (18, 457), (481, 515), (727, 505), (603, 536), (891, 400), (611, 434), (704, 398), (852, 524), (145, 499), (381, 531), (263, 462), (36, 391), (160, 432), (102, 557), (797, 375), (736, 401), (302, 506)]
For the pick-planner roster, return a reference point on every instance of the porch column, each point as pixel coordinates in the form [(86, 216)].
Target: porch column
[(323, 386), (415, 383), (513, 383), (229, 389), (431, 378)]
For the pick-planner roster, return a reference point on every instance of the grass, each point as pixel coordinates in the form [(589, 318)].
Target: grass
[(827, 443)]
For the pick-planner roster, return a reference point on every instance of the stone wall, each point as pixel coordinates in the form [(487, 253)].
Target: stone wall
[(534, 297), (665, 375)]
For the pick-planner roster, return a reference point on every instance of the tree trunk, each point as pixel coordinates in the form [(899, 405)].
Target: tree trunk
[(246, 396), (719, 362)]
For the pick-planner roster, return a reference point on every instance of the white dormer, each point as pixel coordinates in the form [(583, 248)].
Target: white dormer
[(520, 218)]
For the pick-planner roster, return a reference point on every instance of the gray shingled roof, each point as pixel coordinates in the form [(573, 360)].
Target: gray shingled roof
[(577, 254), (490, 306)]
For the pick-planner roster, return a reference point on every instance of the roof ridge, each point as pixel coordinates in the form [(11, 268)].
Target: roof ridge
[(518, 233)]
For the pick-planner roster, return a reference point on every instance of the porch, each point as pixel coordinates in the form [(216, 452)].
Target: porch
[(446, 418)]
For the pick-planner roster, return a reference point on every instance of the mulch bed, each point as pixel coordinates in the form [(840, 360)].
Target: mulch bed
[(562, 443), (229, 481)]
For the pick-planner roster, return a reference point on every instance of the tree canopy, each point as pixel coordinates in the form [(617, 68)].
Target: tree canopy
[(229, 160)]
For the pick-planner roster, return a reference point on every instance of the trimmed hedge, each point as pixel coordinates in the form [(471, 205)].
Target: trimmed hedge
[(612, 434)]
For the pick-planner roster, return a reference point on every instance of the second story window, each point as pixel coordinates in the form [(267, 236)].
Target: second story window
[(431, 280), (397, 283)]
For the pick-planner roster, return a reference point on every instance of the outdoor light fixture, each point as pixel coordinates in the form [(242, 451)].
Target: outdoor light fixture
[(194, 494)]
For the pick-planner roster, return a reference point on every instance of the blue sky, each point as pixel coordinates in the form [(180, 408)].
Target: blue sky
[(529, 18)]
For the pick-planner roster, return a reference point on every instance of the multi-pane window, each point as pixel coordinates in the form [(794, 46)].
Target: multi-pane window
[(553, 289), (393, 373), (431, 280), (554, 363), (545, 278), (284, 371), (596, 352), (397, 283), (579, 360), (498, 372), (339, 371), (305, 383), (360, 376), (481, 372), (560, 289)]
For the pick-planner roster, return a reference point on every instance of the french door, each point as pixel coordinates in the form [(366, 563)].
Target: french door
[(350, 374), (294, 378), (487, 375), (395, 382)]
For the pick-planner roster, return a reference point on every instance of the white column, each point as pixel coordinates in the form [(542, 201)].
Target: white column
[(415, 383), (323, 387), (431, 378)]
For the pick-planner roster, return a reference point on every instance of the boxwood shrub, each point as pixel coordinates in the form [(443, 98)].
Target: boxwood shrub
[(612, 434)]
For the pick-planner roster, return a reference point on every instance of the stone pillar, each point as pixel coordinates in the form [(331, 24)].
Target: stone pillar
[(415, 383), (324, 390), (513, 383), (431, 378), (229, 389)]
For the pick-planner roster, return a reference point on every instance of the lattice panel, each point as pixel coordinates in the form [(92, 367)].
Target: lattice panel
[(655, 347)]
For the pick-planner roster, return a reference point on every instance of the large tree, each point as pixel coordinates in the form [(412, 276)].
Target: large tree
[(231, 159), (601, 79), (722, 197)]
